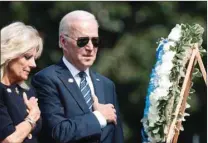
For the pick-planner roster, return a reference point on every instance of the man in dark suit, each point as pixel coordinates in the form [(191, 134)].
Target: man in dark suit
[(77, 105)]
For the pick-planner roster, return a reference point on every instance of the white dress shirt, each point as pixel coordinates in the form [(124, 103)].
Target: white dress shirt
[(75, 73)]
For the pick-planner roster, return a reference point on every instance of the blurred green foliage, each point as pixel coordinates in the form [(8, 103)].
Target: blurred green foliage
[(129, 32)]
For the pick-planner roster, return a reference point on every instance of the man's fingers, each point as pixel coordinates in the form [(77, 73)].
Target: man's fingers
[(115, 122), (111, 105), (95, 102), (115, 119), (95, 99)]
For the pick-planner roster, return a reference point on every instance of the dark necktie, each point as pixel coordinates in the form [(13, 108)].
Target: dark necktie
[(85, 89)]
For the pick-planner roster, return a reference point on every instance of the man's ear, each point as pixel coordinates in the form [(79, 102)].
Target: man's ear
[(62, 41)]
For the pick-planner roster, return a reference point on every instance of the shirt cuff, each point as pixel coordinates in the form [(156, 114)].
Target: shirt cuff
[(100, 118)]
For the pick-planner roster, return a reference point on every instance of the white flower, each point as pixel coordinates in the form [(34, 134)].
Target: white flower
[(175, 33), (168, 56), (167, 45), (153, 116), (153, 98), (165, 83), (165, 68), (161, 92)]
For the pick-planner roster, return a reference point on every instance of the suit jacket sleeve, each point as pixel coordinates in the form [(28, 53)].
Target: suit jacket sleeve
[(118, 135), (6, 123), (62, 129)]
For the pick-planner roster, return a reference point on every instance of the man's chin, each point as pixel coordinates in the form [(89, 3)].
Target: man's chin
[(87, 64)]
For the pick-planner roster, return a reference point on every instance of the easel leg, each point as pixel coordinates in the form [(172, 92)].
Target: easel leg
[(201, 65), (185, 92), (183, 107), (184, 87)]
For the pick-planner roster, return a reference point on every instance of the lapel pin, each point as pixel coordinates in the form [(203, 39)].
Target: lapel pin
[(97, 79), (70, 80), (9, 90), (29, 136)]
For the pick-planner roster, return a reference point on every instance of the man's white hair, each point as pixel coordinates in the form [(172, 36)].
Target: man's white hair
[(70, 18), (16, 39)]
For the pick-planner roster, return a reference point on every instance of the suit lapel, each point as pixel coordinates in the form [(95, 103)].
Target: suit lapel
[(98, 87), (66, 77)]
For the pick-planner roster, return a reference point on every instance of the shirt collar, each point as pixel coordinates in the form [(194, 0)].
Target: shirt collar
[(74, 71)]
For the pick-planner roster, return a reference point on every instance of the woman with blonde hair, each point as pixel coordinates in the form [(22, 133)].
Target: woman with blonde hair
[(20, 120)]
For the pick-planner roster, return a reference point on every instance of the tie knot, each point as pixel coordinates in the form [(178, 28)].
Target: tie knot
[(82, 74)]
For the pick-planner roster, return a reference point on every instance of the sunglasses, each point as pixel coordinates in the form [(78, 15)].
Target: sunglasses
[(83, 41)]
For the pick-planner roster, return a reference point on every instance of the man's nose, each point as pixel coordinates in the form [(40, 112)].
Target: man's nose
[(89, 45)]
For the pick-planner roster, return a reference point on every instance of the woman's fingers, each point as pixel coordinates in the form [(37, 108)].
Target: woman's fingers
[(31, 103), (33, 100), (25, 98)]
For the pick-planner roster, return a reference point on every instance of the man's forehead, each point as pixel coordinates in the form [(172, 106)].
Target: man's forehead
[(82, 23), (84, 27)]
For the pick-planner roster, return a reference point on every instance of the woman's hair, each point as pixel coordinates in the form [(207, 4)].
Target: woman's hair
[(16, 39)]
